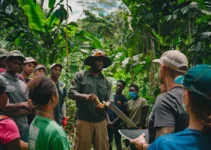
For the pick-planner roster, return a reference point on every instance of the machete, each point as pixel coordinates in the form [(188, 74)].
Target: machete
[(120, 114)]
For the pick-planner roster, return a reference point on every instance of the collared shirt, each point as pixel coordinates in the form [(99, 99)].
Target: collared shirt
[(16, 97), (85, 82)]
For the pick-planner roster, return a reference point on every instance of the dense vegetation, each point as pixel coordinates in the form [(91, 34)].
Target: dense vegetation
[(132, 36)]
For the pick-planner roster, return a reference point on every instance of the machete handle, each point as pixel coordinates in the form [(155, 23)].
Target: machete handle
[(99, 104)]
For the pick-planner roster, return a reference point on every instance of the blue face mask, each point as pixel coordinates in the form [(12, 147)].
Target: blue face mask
[(133, 94)]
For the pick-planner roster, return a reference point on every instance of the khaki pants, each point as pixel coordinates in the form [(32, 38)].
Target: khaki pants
[(88, 133)]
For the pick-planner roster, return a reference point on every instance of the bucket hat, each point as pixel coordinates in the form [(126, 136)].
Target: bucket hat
[(3, 52), (30, 60), (15, 53), (98, 54), (39, 67), (56, 64)]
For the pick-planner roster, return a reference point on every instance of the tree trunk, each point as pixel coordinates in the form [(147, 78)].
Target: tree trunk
[(152, 78), (41, 3)]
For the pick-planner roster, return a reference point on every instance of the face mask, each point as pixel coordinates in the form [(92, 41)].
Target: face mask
[(133, 94)]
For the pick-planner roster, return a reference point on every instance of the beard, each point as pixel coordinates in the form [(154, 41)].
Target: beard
[(95, 69)]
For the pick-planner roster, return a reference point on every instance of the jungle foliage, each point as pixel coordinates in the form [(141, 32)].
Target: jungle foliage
[(133, 36)]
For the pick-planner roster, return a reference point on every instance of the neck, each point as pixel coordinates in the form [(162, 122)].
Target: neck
[(169, 82), (55, 79), (96, 74), (46, 111), (24, 75), (118, 93), (12, 73), (195, 123)]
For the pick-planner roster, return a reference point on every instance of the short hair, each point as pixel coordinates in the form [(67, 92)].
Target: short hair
[(135, 86), (41, 89), (123, 82)]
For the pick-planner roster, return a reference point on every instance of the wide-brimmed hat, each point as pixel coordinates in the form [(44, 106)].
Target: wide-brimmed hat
[(56, 64), (197, 80), (98, 54), (174, 60), (30, 60)]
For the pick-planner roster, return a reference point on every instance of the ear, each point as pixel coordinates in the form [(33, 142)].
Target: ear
[(54, 98), (163, 68), (186, 97)]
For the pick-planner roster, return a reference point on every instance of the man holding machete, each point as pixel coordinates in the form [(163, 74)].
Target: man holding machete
[(86, 87)]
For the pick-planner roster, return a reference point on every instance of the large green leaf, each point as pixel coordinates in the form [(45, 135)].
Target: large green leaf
[(4, 43), (52, 21), (86, 36), (34, 13), (51, 3)]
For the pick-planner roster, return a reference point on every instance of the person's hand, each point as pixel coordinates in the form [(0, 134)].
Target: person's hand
[(64, 121), (110, 125), (91, 97), (139, 142), (30, 104), (25, 105), (22, 112)]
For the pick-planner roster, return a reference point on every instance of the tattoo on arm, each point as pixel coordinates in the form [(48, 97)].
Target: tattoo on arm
[(164, 130)]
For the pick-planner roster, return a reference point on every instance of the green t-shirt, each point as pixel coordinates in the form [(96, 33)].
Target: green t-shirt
[(46, 134)]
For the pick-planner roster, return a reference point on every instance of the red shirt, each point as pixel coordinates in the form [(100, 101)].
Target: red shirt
[(9, 131)]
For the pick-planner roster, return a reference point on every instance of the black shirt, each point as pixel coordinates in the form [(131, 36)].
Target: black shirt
[(121, 103)]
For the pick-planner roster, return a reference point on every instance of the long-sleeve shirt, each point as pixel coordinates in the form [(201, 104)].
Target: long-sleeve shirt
[(85, 82)]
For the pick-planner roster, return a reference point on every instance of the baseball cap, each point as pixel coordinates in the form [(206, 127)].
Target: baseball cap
[(5, 88), (174, 60), (55, 64), (3, 52), (30, 60), (39, 67), (198, 80)]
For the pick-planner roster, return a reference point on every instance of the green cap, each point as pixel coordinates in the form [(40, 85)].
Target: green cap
[(198, 80)]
